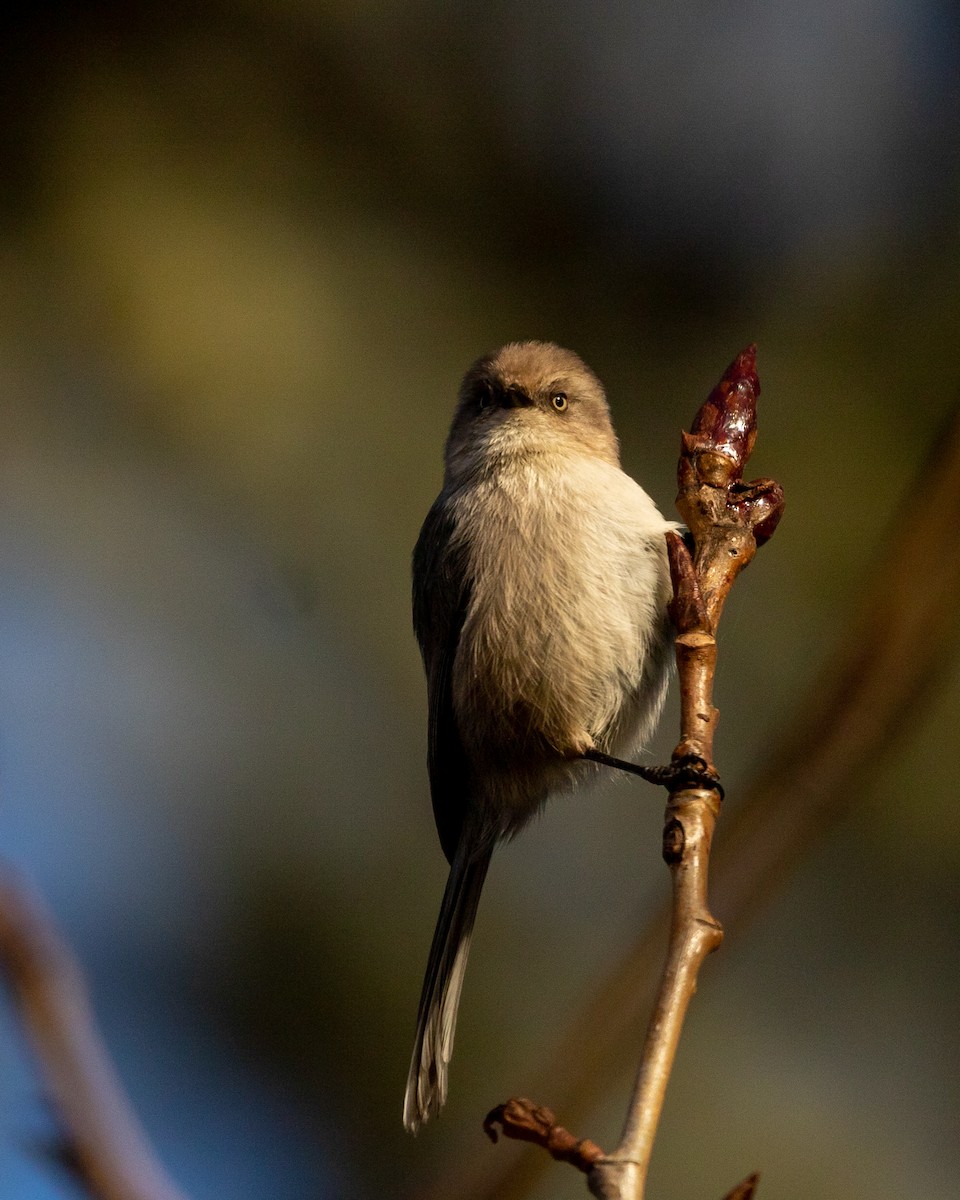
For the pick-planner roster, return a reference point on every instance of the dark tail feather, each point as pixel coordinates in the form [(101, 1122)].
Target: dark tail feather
[(440, 998)]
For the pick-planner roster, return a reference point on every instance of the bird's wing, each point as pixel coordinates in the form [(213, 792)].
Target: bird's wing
[(441, 594)]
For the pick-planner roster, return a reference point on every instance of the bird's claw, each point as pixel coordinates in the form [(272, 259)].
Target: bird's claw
[(689, 770)]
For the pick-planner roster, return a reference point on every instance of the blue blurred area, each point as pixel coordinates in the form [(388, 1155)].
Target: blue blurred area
[(150, 663), (218, 1126)]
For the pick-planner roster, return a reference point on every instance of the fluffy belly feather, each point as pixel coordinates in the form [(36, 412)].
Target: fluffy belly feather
[(565, 615)]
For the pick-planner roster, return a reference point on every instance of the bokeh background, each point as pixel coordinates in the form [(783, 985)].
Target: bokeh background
[(246, 252)]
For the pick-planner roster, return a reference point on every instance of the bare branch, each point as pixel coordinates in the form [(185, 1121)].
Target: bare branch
[(721, 514), (107, 1146)]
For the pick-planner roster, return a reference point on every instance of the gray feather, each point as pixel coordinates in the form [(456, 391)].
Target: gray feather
[(540, 592), (437, 1018)]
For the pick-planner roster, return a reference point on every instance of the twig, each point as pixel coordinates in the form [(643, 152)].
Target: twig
[(722, 515), (528, 1122), (107, 1146), (726, 519), (897, 642)]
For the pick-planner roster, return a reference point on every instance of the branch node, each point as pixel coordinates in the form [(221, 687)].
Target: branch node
[(674, 840), (696, 639)]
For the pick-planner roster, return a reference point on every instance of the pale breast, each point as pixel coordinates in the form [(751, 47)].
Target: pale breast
[(569, 588)]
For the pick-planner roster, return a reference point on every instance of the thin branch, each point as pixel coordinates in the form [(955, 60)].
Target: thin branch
[(694, 934), (897, 642), (528, 1122), (726, 518), (107, 1146), (721, 514)]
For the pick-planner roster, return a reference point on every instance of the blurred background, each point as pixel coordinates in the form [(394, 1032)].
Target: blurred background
[(246, 252)]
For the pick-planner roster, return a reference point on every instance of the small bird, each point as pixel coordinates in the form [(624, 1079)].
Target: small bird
[(540, 593)]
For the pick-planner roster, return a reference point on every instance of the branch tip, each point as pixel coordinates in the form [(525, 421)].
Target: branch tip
[(725, 428), (745, 1190), (528, 1122)]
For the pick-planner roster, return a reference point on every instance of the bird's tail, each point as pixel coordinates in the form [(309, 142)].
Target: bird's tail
[(440, 998)]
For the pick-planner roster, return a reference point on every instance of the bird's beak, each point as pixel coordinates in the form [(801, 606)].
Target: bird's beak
[(516, 397)]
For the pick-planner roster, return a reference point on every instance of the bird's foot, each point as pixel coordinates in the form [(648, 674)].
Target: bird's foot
[(689, 770)]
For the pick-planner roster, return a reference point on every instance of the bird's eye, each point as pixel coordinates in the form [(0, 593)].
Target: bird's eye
[(483, 396), (559, 401)]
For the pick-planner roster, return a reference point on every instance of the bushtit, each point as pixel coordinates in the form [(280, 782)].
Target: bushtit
[(540, 592)]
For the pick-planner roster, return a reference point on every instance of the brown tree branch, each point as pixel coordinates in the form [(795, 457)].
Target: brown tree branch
[(721, 514), (694, 933), (107, 1146), (898, 640)]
